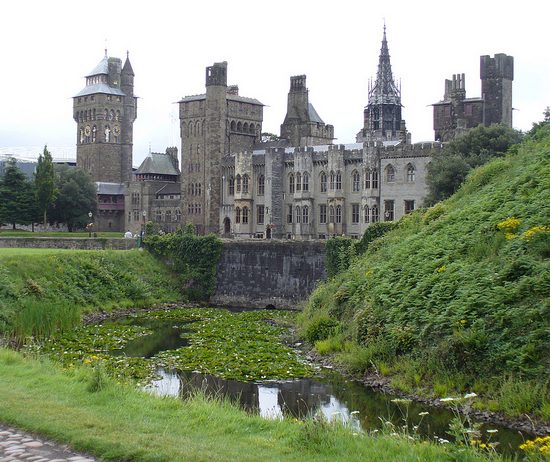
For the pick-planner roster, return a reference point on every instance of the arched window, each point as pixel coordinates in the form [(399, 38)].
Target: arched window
[(323, 182), (331, 214), (356, 179), (298, 214), (245, 184), (245, 215), (199, 189), (245, 127), (112, 115), (291, 183), (338, 214), (367, 214), (231, 185), (338, 180), (168, 216), (331, 184), (367, 179), (261, 185), (374, 177), (238, 178), (178, 215), (298, 181), (192, 189), (237, 215), (305, 214), (158, 216), (190, 128), (410, 173), (233, 126), (390, 173), (374, 214), (239, 127), (252, 128), (305, 182)]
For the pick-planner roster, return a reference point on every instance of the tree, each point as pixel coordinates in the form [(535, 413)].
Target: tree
[(476, 147), (44, 183), (267, 137), (76, 197), (17, 203)]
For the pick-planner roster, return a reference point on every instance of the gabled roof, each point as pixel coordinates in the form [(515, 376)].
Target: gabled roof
[(157, 164), (113, 189), (170, 188), (243, 99), (99, 88)]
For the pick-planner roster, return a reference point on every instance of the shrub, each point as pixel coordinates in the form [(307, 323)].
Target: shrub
[(373, 232), (320, 329), (339, 254)]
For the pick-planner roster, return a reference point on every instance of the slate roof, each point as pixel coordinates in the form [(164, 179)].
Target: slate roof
[(169, 188), (241, 99), (99, 88), (313, 116), (157, 163), (101, 68), (110, 188)]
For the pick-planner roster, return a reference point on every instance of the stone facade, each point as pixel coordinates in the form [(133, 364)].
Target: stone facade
[(105, 111), (455, 113)]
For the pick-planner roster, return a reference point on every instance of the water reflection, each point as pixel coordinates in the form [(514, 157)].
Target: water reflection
[(332, 396)]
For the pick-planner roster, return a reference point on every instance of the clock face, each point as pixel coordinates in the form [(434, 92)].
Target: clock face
[(116, 129), (87, 130)]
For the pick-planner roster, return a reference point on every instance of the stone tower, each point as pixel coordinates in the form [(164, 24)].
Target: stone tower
[(105, 111), (302, 125), (382, 116), (212, 125), (497, 75)]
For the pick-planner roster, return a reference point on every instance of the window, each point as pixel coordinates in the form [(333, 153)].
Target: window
[(374, 179), (323, 213), (291, 183), (338, 214), (237, 215), (367, 216), (409, 206), (390, 173), (305, 214), (245, 184), (289, 214), (231, 185), (168, 216), (178, 215), (338, 181), (331, 214), (331, 181), (323, 182), (245, 215), (305, 182), (260, 210), (298, 182), (238, 178), (158, 216), (375, 214), (298, 214), (356, 179), (367, 179), (355, 213), (410, 173), (261, 185), (388, 210)]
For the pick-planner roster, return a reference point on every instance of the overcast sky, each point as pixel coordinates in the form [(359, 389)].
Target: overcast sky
[(49, 46)]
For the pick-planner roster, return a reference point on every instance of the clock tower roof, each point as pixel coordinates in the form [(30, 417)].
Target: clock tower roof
[(101, 68)]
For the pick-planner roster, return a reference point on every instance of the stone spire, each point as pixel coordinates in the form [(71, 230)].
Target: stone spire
[(385, 90)]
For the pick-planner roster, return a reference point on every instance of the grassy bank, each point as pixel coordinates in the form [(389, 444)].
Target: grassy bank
[(456, 298), (79, 234), (115, 422), (45, 290)]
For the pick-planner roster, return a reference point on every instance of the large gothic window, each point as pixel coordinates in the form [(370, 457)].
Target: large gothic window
[(231, 185), (298, 181), (356, 179), (367, 216), (261, 185), (245, 184), (410, 173), (338, 180), (237, 215), (305, 182), (367, 179), (375, 179), (390, 173), (331, 214), (331, 181), (238, 180), (298, 214), (291, 183), (375, 214), (323, 182), (305, 214), (245, 215), (338, 214)]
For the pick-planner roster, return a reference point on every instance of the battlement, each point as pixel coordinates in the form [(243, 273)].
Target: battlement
[(233, 90), (298, 83), (501, 66), (217, 74)]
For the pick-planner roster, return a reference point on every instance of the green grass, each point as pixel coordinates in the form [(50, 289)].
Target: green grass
[(116, 422), (43, 290), (79, 234), (458, 294)]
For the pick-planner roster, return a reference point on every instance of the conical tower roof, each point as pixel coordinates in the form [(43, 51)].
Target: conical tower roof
[(127, 66), (384, 90)]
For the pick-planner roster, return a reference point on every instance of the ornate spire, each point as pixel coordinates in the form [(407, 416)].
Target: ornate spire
[(384, 90)]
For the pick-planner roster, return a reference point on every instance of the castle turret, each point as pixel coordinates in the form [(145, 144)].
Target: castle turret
[(382, 116), (497, 75)]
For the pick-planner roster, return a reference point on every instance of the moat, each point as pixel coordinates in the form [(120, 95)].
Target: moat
[(328, 393)]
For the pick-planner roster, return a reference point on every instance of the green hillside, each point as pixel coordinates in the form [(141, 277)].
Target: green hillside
[(456, 297)]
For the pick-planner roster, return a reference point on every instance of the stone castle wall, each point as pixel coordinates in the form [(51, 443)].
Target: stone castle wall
[(262, 273)]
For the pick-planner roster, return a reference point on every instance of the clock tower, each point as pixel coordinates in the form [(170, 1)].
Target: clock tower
[(105, 111)]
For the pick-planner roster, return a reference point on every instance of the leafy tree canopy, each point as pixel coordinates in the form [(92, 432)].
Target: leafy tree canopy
[(17, 205), (44, 183)]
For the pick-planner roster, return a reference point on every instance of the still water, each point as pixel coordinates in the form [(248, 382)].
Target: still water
[(336, 397)]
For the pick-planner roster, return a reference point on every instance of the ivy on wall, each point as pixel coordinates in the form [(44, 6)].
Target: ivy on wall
[(194, 258)]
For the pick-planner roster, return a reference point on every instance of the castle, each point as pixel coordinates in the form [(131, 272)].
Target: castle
[(299, 186)]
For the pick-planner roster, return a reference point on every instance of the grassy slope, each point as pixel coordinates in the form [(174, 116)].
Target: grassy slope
[(42, 290), (448, 291), (120, 423)]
